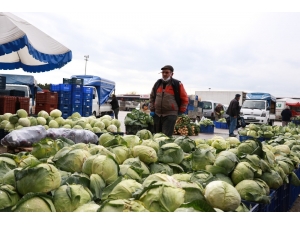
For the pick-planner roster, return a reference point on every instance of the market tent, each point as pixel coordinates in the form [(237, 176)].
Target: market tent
[(24, 46)]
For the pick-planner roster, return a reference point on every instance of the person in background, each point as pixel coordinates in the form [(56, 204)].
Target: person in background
[(233, 111), (168, 99), (115, 106), (286, 116), (145, 108), (219, 110)]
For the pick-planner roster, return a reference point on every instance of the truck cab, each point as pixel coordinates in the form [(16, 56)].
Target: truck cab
[(259, 108)]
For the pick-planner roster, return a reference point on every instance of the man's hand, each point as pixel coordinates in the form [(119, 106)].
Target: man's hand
[(235, 117)]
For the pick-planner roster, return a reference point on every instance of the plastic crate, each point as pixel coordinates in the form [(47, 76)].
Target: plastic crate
[(17, 93), (87, 96), (47, 97), (65, 87), (76, 110), (77, 94), (64, 101), (245, 138), (2, 82), (66, 114), (54, 87), (207, 129), (65, 94), (283, 198), (65, 107), (23, 103), (8, 104), (76, 101), (223, 125), (217, 124), (274, 205), (73, 81), (88, 90), (86, 113), (4, 92), (294, 191), (297, 122), (77, 87), (88, 102), (47, 107)]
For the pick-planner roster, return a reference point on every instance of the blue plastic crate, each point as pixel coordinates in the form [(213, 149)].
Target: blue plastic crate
[(294, 191), (274, 205), (224, 126), (77, 94), (54, 87), (87, 108), (65, 87), (207, 129), (88, 90), (64, 94), (87, 102), (76, 110), (77, 87), (283, 196), (87, 96), (64, 101), (86, 113), (65, 107), (217, 124), (297, 122), (66, 114), (244, 138), (77, 101)]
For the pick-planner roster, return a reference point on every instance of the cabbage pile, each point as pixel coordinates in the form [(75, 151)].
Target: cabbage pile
[(146, 173), (206, 122), (54, 119)]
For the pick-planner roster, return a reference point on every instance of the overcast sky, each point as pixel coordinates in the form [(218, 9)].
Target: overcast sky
[(222, 49)]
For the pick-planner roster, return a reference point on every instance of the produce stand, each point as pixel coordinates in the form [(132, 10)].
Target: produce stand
[(185, 127)]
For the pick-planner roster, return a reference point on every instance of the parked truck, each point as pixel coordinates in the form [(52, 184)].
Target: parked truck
[(102, 91), (26, 83), (259, 108), (223, 97)]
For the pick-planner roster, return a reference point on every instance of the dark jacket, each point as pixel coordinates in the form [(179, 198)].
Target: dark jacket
[(114, 103), (164, 102), (286, 115), (233, 108)]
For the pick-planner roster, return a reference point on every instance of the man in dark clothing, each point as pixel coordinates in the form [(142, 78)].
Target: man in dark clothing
[(233, 111), (115, 106), (286, 116)]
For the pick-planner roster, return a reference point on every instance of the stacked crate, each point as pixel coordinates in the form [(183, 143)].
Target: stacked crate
[(8, 104), (87, 102), (64, 100), (23, 103), (77, 96), (46, 101)]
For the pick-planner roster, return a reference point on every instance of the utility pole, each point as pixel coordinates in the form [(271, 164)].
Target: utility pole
[(86, 59)]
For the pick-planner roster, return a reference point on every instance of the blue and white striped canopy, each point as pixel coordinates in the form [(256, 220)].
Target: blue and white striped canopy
[(24, 46)]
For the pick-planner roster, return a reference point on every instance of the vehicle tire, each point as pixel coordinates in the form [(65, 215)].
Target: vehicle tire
[(271, 122), (94, 114)]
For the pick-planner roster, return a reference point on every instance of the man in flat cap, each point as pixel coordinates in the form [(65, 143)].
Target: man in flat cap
[(168, 99), (233, 111)]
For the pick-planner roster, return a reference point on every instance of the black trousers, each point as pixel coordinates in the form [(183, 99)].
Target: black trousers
[(164, 124), (116, 112)]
